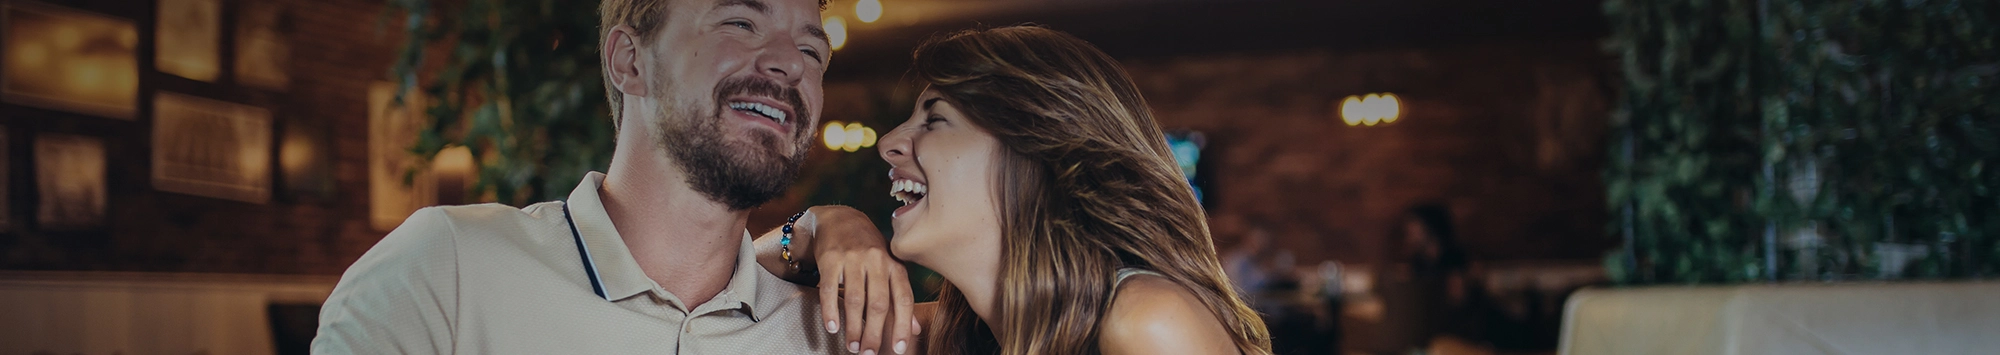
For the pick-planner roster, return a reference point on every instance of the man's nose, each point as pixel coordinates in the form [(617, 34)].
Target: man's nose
[(779, 59)]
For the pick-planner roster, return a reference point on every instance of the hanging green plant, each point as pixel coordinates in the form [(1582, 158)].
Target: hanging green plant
[(518, 82), (1805, 140)]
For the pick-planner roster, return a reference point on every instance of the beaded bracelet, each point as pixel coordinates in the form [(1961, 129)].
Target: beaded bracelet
[(785, 243)]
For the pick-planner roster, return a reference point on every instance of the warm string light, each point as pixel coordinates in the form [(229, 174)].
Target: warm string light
[(1371, 109), (456, 171), (836, 31), (868, 10), (848, 137)]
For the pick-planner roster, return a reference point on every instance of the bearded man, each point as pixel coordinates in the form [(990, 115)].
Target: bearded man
[(714, 100)]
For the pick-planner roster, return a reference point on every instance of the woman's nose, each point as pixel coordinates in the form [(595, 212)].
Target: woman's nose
[(895, 146)]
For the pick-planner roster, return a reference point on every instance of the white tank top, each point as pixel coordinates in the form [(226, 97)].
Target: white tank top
[(1125, 273)]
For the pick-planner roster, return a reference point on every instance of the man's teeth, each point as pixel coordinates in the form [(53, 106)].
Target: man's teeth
[(761, 109), (907, 191)]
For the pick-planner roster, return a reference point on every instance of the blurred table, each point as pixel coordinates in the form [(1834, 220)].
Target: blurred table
[(1842, 318), (146, 313)]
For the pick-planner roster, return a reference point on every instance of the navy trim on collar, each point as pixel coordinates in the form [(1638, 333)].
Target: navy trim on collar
[(589, 264)]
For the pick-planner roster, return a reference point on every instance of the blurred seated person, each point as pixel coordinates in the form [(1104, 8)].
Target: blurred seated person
[(1299, 320), (1250, 265), (1427, 290)]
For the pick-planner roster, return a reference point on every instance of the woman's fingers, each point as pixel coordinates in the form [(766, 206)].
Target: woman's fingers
[(855, 294), (829, 297), (899, 286), (880, 304)]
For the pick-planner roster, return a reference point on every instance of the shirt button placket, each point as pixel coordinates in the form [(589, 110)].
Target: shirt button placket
[(687, 324)]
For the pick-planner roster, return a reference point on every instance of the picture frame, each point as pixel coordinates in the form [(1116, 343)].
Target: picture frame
[(70, 177), (211, 148), (396, 188), (262, 52), (188, 39), (69, 60)]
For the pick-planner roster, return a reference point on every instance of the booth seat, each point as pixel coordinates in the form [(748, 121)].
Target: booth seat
[(1780, 319)]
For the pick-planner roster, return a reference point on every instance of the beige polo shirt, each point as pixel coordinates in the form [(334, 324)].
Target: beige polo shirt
[(492, 279)]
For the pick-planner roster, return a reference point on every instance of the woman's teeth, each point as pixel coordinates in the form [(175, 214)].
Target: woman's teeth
[(907, 191)]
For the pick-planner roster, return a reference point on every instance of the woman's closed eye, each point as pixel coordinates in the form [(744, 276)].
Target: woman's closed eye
[(928, 121)]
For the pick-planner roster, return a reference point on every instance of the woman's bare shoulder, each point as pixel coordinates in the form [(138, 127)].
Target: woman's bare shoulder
[(1154, 315)]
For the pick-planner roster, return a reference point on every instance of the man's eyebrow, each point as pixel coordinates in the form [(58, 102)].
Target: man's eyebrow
[(758, 5), (932, 101), (818, 32)]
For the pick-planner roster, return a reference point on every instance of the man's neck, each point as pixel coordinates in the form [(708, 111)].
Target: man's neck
[(682, 240)]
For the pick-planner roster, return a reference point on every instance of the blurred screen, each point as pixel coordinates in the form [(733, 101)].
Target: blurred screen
[(1187, 147)]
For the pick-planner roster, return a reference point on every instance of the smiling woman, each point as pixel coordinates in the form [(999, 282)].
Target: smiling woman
[(1036, 181)]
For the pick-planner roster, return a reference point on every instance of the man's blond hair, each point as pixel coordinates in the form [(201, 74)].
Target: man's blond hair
[(644, 17)]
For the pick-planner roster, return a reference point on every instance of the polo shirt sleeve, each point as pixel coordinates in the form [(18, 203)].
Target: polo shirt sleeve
[(401, 297)]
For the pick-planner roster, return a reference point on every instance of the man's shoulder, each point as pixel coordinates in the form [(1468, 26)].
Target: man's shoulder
[(485, 214), (404, 292), (483, 219), (431, 244), (438, 231)]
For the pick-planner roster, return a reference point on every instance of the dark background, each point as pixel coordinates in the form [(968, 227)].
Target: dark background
[(1504, 104)]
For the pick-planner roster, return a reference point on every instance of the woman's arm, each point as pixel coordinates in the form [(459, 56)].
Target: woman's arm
[(839, 250), (770, 251), (1153, 315)]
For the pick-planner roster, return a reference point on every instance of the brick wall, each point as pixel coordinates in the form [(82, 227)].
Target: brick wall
[(1507, 134)]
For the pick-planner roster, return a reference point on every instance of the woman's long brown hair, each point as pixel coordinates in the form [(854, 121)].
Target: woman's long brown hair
[(1087, 186)]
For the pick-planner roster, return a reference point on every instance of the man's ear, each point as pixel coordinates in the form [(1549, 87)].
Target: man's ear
[(621, 60)]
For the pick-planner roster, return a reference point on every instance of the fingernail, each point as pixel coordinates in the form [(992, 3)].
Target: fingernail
[(916, 328), (900, 346), (832, 327), (854, 347), (868, 352)]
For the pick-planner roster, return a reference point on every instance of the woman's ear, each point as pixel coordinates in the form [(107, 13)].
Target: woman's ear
[(621, 60)]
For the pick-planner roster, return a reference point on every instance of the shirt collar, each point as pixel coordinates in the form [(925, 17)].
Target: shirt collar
[(609, 264)]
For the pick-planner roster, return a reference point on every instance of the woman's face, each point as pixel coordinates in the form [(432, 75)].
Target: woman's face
[(943, 168)]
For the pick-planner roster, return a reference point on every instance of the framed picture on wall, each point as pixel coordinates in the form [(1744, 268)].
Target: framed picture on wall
[(262, 54), (211, 148), (69, 174), (188, 39), (70, 60), (395, 190)]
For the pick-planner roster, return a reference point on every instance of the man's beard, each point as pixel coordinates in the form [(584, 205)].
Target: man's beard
[(741, 173)]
